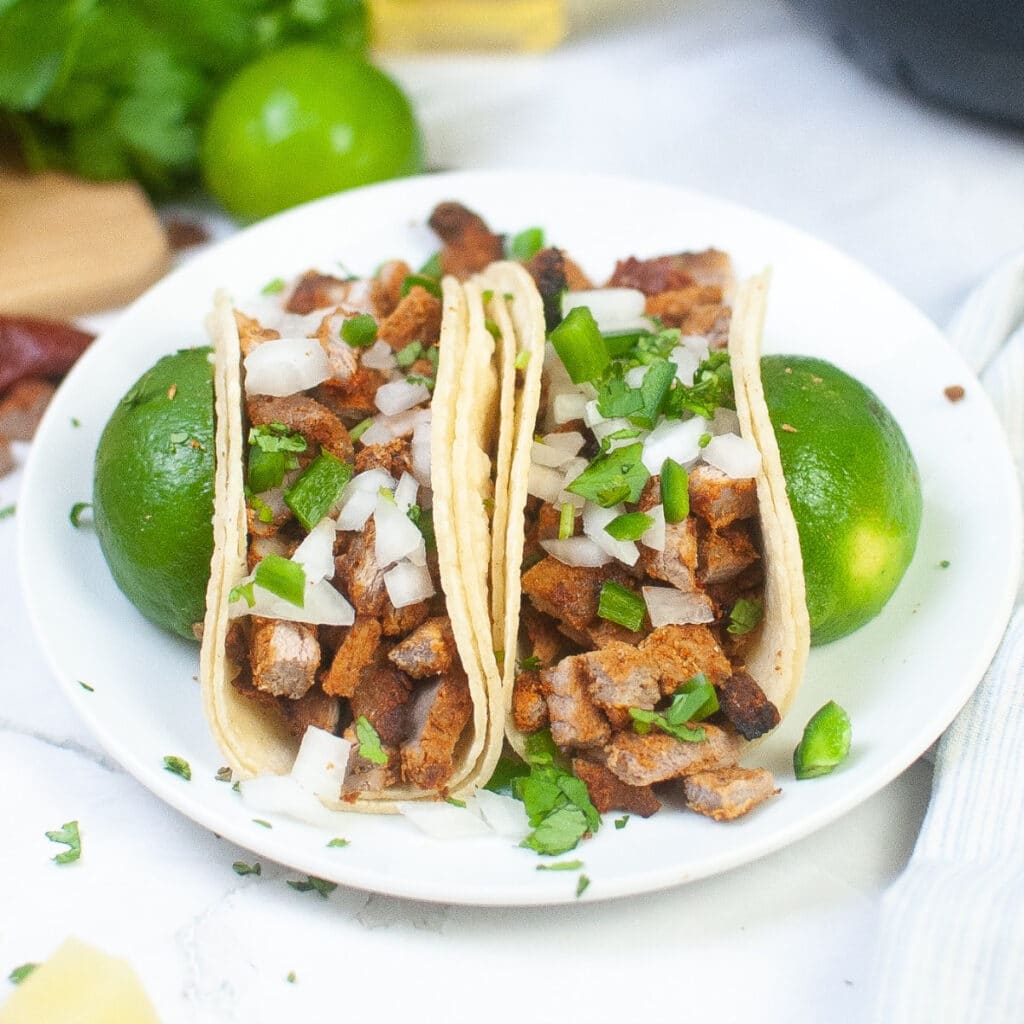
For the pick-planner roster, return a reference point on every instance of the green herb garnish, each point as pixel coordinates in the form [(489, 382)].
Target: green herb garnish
[(75, 515), (405, 357), (223, 774), (582, 885), (618, 476), (432, 268), (314, 884), (359, 331), (68, 835), (525, 244), (361, 428), (825, 743), (629, 526), (272, 451), (85, 686), (692, 702), (745, 615), (273, 287), (290, 977), (315, 493), (283, 577), (260, 821), (618, 604), (580, 346), (529, 664), (944, 564), (20, 973), (178, 766), (241, 868), (620, 823), (562, 865), (338, 843), (566, 520), (7, 511), (422, 281), (508, 769), (369, 741)]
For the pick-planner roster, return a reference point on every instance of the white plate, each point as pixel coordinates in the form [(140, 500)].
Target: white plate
[(902, 678)]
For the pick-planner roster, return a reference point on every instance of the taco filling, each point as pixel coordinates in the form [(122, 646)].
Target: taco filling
[(339, 619)]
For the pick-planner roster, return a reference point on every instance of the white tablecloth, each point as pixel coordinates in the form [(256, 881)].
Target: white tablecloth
[(734, 98)]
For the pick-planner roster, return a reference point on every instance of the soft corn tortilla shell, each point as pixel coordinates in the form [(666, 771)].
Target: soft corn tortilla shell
[(778, 656), (251, 735)]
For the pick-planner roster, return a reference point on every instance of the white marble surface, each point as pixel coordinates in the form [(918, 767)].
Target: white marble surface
[(735, 98)]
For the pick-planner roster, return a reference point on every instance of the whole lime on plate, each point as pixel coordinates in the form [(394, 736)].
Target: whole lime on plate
[(303, 122), (853, 486), (153, 490)]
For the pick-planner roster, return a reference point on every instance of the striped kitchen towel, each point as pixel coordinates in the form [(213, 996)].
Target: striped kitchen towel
[(951, 938)]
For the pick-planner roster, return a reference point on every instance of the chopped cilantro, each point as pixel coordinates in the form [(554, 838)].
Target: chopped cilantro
[(75, 421), (369, 742), (455, 803), (421, 281), (290, 978), (243, 592), (67, 834), (359, 331), (75, 515), (711, 389), (693, 701), (618, 476), (582, 885), (944, 564), (85, 686), (21, 972), (7, 511), (276, 437), (529, 664), (418, 378), (314, 884), (223, 774), (405, 357), (273, 287), (272, 453), (260, 821), (338, 843), (178, 766), (506, 771), (241, 868), (432, 268), (524, 244), (566, 520), (562, 865), (745, 615), (620, 823)]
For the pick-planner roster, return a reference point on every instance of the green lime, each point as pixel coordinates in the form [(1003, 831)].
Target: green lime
[(304, 122), (153, 490), (853, 486)]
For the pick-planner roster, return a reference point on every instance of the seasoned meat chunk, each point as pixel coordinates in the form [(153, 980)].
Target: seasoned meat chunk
[(644, 760), (23, 408), (575, 720), (315, 422), (381, 696), (437, 717), (674, 307), (569, 593), (546, 643), (724, 554), (726, 793), (394, 457), (358, 650), (251, 333), (386, 287), (416, 318), (469, 244), (710, 321), (399, 621), (681, 652), (428, 651), (677, 564), (601, 633), (529, 705), (621, 677), (314, 708), (319, 291), (652, 276), (352, 399), (553, 273), (719, 499), (361, 575), (284, 656), (364, 776), (610, 793), (745, 704)]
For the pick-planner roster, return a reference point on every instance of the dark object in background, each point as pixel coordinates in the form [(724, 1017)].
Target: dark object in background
[(30, 347), (967, 54)]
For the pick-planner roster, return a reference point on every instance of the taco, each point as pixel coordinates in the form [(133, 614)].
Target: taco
[(341, 595), (658, 625)]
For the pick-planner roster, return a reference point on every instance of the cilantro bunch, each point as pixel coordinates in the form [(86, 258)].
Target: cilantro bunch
[(113, 89)]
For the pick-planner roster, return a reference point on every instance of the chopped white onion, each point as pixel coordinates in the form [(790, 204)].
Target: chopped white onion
[(725, 421), (418, 556), (316, 552), (580, 552), (697, 344), (408, 584), (405, 492), (576, 500), (370, 481), (323, 606), (635, 375), (506, 815), (321, 763), (545, 483), (285, 366), (359, 498), (379, 356), (668, 606), (595, 519), (281, 794), (573, 469), (673, 439), (733, 455), (566, 407), (591, 414), (602, 430), (399, 395), (544, 455), (396, 535), (613, 308), (404, 423), (421, 452), (686, 364), (444, 820), (377, 432), (654, 536), (570, 441)]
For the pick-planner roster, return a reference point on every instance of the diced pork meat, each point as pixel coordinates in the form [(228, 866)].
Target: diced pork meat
[(644, 760), (576, 722), (341, 357), (677, 563), (710, 321), (428, 651), (719, 499), (745, 704), (682, 652), (23, 408), (394, 457), (361, 574), (673, 308), (724, 554), (727, 793), (314, 708), (652, 276), (469, 244), (529, 703), (365, 776), (437, 717), (601, 633), (399, 621), (382, 697), (546, 643), (319, 291), (251, 334), (621, 677), (303, 415), (610, 793), (386, 287), (356, 652), (417, 317), (569, 593), (553, 273), (352, 399), (284, 656)]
